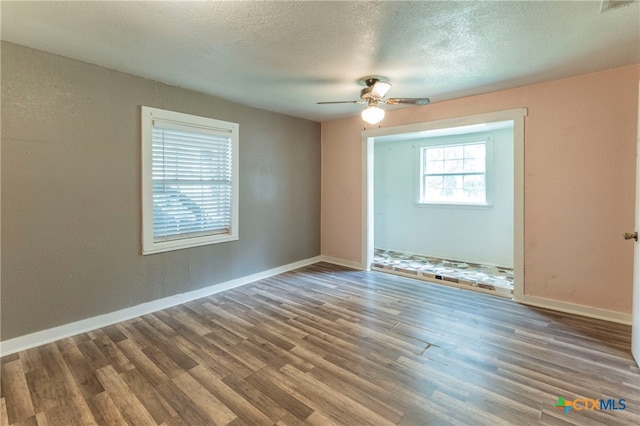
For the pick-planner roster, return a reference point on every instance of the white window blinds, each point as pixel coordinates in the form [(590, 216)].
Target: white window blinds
[(192, 178)]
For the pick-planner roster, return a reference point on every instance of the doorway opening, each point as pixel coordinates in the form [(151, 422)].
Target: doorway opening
[(443, 201)]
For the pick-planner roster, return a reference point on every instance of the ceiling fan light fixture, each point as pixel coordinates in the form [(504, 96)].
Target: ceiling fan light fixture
[(372, 114), (379, 89)]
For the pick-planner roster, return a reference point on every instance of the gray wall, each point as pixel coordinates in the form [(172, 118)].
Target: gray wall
[(71, 193)]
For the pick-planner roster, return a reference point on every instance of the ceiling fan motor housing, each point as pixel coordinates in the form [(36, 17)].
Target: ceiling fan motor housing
[(366, 93)]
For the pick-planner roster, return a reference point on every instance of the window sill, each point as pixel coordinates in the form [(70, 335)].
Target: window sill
[(455, 205), (165, 246)]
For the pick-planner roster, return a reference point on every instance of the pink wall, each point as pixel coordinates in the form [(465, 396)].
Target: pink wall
[(580, 136)]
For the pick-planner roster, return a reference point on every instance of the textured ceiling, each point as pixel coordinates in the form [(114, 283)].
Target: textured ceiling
[(286, 56)]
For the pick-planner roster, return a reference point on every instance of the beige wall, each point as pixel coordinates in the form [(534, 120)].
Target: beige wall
[(71, 193), (580, 142)]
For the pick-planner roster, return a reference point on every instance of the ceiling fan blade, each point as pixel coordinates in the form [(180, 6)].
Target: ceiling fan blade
[(414, 101), (341, 102)]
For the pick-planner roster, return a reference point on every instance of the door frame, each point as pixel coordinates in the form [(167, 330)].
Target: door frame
[(635, 298), (516, 115)]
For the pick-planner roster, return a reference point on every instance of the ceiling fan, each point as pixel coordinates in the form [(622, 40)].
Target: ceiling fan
[(373, 94)]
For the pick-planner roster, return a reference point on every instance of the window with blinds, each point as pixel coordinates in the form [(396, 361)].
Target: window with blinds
[(189, 181)]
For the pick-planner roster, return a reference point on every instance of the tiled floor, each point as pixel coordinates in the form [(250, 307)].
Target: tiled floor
[(477, 276)]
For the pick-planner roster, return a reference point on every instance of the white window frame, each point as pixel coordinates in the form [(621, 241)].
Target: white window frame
[(454, 141), (191, 123)]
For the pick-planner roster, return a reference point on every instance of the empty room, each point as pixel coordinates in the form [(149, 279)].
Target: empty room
[(319, 213)]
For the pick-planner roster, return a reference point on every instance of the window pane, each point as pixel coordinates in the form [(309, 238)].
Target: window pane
[(454, 152), (453, 166), (433, 182), (458, 195), (475, 188), (432, 194), (474, 151), (435, 167), (474, 165), (435, 153), (453, 181)]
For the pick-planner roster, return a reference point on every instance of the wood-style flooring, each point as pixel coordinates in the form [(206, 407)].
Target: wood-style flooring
[(327, 345)]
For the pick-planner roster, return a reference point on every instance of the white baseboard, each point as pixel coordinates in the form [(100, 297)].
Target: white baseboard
[(342, 262), (39, 338), (571, 308)]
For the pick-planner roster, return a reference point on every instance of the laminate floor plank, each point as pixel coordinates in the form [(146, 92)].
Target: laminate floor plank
[(31, 360), (192, 318), (164, 345), (123, 397), (179, 328), (255, 397), (235, 402), (186, 407), (208, 402), (16, 392), (4, 417), (280, 394), (327, 345), (142, 363), (106, 412), (71, 404), (111, 354), (42, 393), (353, 392), (82, 373), (276, 354), (322, 398), (92, 354), (152, 401)]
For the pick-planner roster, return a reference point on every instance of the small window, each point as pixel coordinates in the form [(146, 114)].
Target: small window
[(454, 173), (189, 181)]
